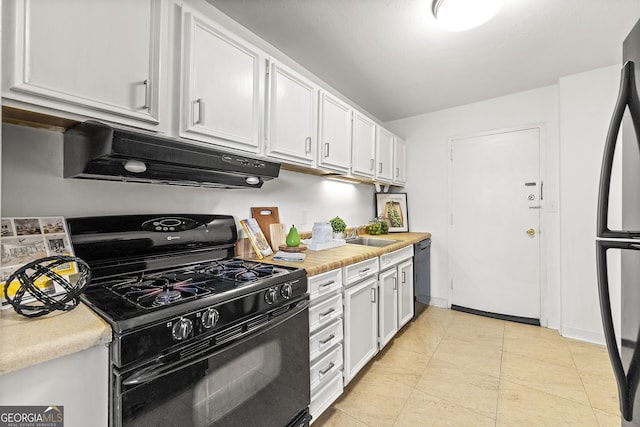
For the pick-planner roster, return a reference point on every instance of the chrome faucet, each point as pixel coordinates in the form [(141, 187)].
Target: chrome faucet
[(354, 232)]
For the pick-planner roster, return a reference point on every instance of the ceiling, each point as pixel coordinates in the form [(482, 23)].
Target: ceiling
[(391, 58)]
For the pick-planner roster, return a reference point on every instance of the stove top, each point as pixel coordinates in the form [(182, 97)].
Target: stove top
[(150, 268), (131, 301), (169, 284), (158, 289)]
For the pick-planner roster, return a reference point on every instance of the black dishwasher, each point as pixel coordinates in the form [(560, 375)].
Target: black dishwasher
[(421, 275)]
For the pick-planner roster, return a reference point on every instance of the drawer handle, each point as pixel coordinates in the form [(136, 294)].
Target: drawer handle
[(363, 272), (328, 339), (328, 312), (327, 369), (324, 285)]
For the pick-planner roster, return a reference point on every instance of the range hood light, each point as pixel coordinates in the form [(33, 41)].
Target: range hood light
[(135, 166), (253, 180), (462, 15)]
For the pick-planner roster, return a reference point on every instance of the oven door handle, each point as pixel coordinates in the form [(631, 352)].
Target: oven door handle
[(159, 369)]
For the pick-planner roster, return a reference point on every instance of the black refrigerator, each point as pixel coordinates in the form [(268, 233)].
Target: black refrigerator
[(618, 233)]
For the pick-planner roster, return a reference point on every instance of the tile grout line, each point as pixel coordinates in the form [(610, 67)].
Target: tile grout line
[(414, 388)]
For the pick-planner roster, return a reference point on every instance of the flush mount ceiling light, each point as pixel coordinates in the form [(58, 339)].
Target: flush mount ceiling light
[(461, 15)]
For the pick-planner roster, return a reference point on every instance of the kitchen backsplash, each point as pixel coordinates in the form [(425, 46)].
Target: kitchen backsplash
[(32, 185)]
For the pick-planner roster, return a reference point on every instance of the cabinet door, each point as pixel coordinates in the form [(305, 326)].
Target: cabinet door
[(405, 292), (96, 55), (399, 161), (384, 156), (360, 326), (222, 86), (334, 148), (387, 306), (364, 146), (293, 120)]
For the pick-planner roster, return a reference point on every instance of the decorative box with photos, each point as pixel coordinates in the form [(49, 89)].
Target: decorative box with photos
[(25, 240)]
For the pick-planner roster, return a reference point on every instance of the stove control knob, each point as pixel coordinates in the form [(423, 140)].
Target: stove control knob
[(182, 329), (270, 296), (210, 317), (286, 290)]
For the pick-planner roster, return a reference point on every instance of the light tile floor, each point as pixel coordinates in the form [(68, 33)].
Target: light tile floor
[(448, 368)]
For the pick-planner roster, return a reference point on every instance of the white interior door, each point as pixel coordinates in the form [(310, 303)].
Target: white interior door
[(494, 225)]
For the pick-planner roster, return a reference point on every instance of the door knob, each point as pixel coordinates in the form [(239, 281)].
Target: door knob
[(531, 232)]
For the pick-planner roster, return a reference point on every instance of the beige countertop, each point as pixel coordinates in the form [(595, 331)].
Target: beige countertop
[(25, 341), (317, 262)]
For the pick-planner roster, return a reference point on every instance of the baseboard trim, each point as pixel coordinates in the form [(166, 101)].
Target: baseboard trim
[(583, 335), (518, 319)]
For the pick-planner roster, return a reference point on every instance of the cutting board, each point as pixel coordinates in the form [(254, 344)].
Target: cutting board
[(278, 234), (266, 217)]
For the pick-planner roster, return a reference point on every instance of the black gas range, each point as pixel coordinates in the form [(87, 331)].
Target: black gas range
[(180, 303)]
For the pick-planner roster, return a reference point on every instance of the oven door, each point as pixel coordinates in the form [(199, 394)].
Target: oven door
[(261, 378)]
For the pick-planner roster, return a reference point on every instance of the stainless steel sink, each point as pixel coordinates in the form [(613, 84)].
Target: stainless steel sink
[(369, 241)]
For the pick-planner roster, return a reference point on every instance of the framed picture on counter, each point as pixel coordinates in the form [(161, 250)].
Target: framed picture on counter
[(394, 207)]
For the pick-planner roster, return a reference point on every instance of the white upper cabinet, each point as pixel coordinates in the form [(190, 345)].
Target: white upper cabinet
[(364, 146), (293, 117), (399, 161), (384, 156), (96, 58), (222, 94), (334, 147)]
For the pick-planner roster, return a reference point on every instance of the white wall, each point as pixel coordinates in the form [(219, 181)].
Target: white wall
[(586, 105), (32, 185), (575, 115)]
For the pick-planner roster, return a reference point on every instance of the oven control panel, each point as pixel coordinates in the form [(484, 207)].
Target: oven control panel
[(169, 223)]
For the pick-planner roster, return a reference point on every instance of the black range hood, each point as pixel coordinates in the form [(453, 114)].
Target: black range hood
[(94, 150)]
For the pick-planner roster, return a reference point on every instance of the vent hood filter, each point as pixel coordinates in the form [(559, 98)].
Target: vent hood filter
[(93, 150)]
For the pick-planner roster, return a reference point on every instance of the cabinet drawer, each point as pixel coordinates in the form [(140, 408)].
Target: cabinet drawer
[(324, 396), (323, 313), (322, 369), (325, 283), (387, 260), (324, 339), (356, 272)]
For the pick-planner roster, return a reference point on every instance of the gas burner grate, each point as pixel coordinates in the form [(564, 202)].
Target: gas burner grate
[(237, 270), (162, 288), (155, 290)]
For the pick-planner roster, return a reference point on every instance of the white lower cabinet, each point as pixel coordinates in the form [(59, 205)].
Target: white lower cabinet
[(360, 315), (355, 311), (387, 306), (395, 307), (360, 326), (326, 354), (405, 292)]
